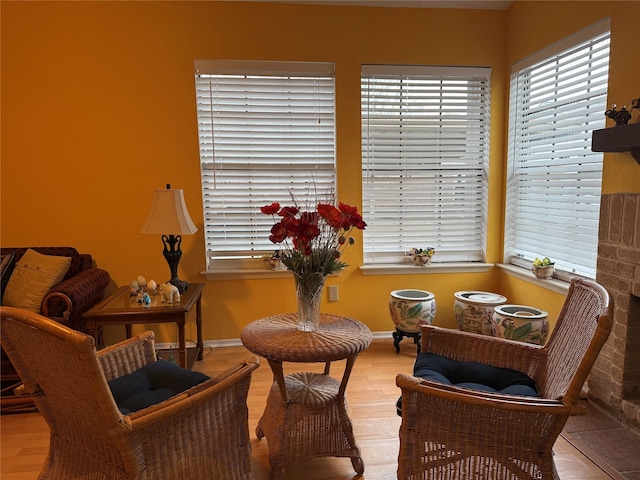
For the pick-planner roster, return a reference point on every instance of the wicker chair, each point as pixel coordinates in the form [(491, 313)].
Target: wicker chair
[(199, 433), (449, 432)]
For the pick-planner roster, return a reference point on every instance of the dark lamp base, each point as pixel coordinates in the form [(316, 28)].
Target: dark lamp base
[(181, 285), (172, 255)]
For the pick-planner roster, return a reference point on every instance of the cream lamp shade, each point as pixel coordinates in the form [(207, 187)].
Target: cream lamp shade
[(169, 217)]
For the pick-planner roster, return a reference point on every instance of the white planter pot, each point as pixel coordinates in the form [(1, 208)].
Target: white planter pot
[(421, 260), (545, 272), (522, 323), (410, 309), (272, 263), (473, 310)]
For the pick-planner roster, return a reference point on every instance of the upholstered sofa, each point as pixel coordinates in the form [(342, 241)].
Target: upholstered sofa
[(82, 286)]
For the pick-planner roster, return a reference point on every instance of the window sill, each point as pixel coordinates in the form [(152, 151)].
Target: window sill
[(248, 274), (387, 269), (553, 284), (244, 274), (453, 267)]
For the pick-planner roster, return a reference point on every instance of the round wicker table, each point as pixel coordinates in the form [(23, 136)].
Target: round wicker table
[(306, 414)]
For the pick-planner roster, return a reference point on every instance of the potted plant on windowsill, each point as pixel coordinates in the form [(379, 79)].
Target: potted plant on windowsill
[(272, 261), (543, 268), (421, 256)]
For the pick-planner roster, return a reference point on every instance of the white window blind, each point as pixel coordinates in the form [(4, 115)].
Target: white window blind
[(554, 179), (425, 144), (267, 131)]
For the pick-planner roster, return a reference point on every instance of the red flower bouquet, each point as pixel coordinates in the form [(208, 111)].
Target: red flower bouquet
[(318, 237)]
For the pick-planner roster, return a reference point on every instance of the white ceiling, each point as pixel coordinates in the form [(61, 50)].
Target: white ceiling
[(474, 4)]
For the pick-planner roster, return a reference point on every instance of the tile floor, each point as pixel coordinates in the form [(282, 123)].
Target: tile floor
[(612, 446)]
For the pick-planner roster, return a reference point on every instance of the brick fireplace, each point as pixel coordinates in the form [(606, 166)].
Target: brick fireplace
[(614, 383)]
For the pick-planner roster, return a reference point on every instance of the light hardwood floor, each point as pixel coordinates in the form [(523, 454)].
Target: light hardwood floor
[(371, 395)]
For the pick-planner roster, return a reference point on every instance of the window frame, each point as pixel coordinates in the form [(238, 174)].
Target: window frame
[(313, 177), (559, 184), (447, 157)]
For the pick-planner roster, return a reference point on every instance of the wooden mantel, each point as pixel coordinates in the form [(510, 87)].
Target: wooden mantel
[(621, 138)]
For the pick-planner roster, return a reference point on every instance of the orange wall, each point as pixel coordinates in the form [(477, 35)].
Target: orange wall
[(533, 25), (98, 110)]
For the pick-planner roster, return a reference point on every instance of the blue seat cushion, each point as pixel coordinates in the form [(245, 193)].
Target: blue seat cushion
[(151, 384), (476, 376)]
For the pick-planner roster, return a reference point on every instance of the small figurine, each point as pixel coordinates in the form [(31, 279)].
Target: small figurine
[(635, 104), (621, 117), (146, 300), (169, 293)]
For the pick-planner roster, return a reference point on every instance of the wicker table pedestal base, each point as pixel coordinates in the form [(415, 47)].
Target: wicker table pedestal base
[(315, 423), (306, 414)]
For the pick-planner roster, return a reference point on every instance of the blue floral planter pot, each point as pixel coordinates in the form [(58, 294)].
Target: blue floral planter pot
[(473, 311), (521, 323), (410, 309)]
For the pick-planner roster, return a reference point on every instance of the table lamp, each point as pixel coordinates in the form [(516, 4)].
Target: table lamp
[(169, 217)]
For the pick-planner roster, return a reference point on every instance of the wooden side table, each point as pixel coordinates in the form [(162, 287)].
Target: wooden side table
[(121, 309), (306, 414)]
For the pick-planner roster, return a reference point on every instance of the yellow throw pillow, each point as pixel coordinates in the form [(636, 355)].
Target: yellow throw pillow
[(32, 278)]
